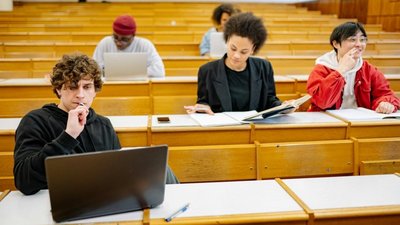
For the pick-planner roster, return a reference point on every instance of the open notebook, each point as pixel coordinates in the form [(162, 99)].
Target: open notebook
[(237, 118), (360, 114)]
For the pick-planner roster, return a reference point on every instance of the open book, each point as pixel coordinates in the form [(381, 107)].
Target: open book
[(237, 118), (278, 109), (362, 114)]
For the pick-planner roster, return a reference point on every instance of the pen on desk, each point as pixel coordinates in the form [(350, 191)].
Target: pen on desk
[(175, 214)]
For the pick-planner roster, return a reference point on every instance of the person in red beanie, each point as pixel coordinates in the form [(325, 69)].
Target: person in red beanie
[(125, 40)]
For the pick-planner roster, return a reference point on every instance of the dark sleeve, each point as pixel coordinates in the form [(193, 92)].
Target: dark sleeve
[(380, 91), (271, 99), (33, 144)]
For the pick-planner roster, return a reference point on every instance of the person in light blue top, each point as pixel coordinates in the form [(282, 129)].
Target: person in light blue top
[(220, 16)]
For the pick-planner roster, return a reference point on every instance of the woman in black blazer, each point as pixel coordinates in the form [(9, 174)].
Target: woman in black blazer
[(237, 82)]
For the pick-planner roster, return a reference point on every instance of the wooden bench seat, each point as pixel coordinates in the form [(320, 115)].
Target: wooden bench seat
[(186, 48), (376, 38), (189, 65)]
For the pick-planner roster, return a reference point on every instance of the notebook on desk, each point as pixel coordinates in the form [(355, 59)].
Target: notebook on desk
[(125, 66), (107, 182), (217, 45)]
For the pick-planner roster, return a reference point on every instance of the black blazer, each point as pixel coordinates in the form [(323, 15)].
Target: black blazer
[(213, 87)]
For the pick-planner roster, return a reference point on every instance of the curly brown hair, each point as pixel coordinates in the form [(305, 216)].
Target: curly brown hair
[(73, 68)]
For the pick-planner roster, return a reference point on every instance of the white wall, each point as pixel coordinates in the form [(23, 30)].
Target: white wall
[(6, 5)]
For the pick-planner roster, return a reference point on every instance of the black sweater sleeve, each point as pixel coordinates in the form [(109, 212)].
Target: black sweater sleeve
[(32, 146)]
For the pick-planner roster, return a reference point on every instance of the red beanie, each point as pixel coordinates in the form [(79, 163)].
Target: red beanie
[(124, 25)]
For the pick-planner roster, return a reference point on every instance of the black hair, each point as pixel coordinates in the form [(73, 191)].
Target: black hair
[(249, 26), (344, 31), (223, 8)]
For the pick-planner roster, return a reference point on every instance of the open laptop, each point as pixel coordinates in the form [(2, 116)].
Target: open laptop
[(125, 66), (217, 45), (106, 182)]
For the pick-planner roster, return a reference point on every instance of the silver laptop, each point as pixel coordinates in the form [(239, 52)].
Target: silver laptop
[(106, 182), (217, 45), (125, 66)]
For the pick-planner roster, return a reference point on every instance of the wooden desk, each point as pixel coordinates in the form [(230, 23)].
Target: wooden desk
[(155, 96), (183, 131), (300, 143), (350, 200), (131, 130), (344, 200), (295, 126), (7, 140), (374, 139), (246, 202)]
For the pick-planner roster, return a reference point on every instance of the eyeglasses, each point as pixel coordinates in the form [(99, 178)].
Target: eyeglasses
[(122, 39), (362, 40)]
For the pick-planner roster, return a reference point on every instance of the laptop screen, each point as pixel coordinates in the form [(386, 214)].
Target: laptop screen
[(125, 66), (217, 45), (106, 182)]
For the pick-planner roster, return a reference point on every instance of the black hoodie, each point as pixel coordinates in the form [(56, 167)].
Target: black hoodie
[(41, 133)]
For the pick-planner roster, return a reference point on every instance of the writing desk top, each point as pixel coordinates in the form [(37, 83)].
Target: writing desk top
[(206, 199), (347, 192), (300, 118)]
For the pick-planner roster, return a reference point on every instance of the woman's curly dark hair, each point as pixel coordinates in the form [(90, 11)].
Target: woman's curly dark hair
[(223, 8), (249, 26), (73, 68)]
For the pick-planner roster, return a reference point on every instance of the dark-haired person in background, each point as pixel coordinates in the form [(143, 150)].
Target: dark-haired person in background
[(238, 82), (219, 17), (341, 79), (69, 127)]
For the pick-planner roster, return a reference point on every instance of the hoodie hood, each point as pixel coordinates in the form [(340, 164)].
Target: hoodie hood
[(63, 116), (348, 98)]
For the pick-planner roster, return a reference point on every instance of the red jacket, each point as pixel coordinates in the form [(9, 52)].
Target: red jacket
[(370, 88)]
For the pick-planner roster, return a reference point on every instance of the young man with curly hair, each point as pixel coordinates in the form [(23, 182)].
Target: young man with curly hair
[(69, 127)]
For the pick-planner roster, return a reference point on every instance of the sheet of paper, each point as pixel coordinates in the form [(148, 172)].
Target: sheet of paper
[(360, 114), (218, 119)]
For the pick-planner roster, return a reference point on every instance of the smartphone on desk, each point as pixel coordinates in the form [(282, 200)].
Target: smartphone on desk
[(163, 119)]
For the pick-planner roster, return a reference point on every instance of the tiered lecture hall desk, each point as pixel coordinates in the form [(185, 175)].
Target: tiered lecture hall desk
[(296, 145), (374, 139), (154, 96), (372, 199), (283, 64)]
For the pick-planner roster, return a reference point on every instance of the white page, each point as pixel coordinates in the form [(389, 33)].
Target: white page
[(183, 120), (239, 116), (360, 114), (218, 119)]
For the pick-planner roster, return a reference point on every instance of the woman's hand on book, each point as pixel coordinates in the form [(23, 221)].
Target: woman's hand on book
[(199, 108)]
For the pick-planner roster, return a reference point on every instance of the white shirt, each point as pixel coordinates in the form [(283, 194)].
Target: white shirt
[(155, 65)]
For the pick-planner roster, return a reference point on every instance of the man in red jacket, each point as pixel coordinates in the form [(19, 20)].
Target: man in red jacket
[(342, 80)]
